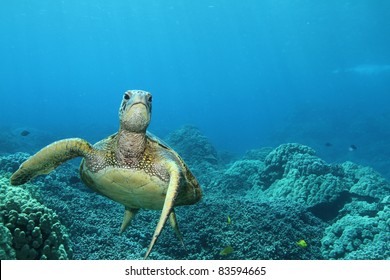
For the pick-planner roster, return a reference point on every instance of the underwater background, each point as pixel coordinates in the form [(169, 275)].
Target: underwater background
[(236, 86)]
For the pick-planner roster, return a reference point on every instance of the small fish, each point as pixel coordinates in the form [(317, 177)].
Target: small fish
[(229, 221), (352, 148), (226, 251), (25, 133), (302, 243), (328, 144)]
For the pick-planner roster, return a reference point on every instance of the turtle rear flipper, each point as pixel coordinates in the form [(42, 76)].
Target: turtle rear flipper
[(49, 158)]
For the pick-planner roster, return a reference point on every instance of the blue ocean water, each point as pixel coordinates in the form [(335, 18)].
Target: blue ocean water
[(247, 73)]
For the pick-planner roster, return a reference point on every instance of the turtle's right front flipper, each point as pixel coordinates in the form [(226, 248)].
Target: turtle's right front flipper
[(50, 158)]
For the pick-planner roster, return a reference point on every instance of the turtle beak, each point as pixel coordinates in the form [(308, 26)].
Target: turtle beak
[(137, 116), (137, 110)]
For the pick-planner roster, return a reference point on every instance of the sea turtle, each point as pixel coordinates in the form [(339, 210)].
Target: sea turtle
[(132, 166)]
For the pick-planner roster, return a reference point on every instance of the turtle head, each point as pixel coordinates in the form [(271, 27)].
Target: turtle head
[(135, 111)]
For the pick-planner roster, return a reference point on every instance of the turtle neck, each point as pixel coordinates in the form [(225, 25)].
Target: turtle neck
[(130, 145)]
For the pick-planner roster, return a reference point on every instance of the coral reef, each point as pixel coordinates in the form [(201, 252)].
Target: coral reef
[(365, 181), (258, 154), (273, 198), (350, 197), (35, 229), (197, 151), (292, 171), (292, 157), (6, 250), (192, 146), (239, 177), (358, 237), (10, 163), (258, 230)]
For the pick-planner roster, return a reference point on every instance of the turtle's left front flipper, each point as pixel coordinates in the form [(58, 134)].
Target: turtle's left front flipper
[(50, 157), (172, 192)]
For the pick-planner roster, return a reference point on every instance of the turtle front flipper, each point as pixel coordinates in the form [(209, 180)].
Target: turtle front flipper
[(175, 226), (172, 191), (49, 158)]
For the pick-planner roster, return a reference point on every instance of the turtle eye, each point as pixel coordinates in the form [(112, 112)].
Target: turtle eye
[(127, 97), (150, 98)]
